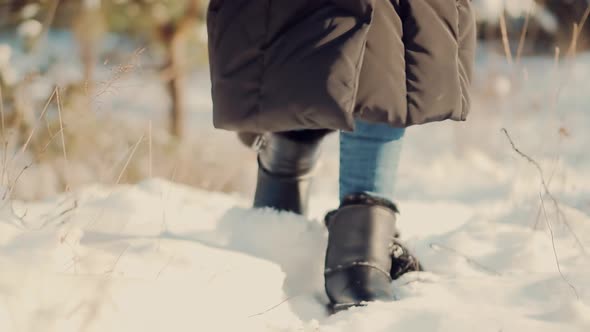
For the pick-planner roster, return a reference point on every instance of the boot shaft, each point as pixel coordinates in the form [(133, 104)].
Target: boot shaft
[(286, 163)]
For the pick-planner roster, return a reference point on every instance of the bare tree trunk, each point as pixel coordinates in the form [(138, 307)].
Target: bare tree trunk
[(175, 38), (89, 28), (176, 83), (52, 10)]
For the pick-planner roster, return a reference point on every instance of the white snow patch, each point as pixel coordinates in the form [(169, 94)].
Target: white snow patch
[(159, 256), (30, 28)]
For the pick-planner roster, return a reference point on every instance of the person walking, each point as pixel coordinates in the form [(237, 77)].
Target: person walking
[(285, 73)]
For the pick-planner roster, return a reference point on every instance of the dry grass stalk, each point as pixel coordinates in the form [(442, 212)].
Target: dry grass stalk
[(164, 267), (150, 150), (576, 32), (63, 139), (101, 212), (50, 140), (119, 72), (4, 140), (574, 43), (2, 113), (8, 193), (505, 40), (45, 108), (546, 190), (584, 19), (555, 249), (524, 32), (558, 84), (540, 209), (23, 223), (114, 266), (59, 215), (438, 246), (129, 159), (275, 306)]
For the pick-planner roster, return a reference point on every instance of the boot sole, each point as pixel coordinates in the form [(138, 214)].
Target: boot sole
[(334, 308)]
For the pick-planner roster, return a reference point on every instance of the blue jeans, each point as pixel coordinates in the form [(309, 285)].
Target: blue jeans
[(369, 159)]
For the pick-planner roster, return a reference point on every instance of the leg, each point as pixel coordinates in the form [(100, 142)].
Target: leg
[(369, 159), (363, 254)]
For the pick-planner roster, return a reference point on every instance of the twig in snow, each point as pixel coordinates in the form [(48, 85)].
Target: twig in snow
[(8, 193), (529, 159), (273, 307), (555, 250), (75, 258), (61, 214), (19, 218), (546, 189), (540, 210), (112, 269), (437, 246), (165, 267)]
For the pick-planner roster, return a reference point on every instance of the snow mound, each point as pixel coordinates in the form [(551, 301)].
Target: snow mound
[(163, 257)]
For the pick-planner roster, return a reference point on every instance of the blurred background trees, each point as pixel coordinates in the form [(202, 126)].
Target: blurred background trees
[(170, 24), (172, 32), (571, 17), (60, 60), (545, 23)]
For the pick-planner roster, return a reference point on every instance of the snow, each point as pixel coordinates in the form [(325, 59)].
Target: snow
[(162, 256), (30, 28), (91, 4), (490, 11), (30, 10), (5, 55)]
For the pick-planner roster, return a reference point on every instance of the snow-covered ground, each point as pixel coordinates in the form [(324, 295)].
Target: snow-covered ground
[(159, 256), (164, 257)]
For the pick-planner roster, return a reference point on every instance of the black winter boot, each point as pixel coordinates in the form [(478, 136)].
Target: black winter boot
[(363, 254), (286, 162)]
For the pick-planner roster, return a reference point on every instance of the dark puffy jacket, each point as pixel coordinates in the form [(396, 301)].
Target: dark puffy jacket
[(280, 65)]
